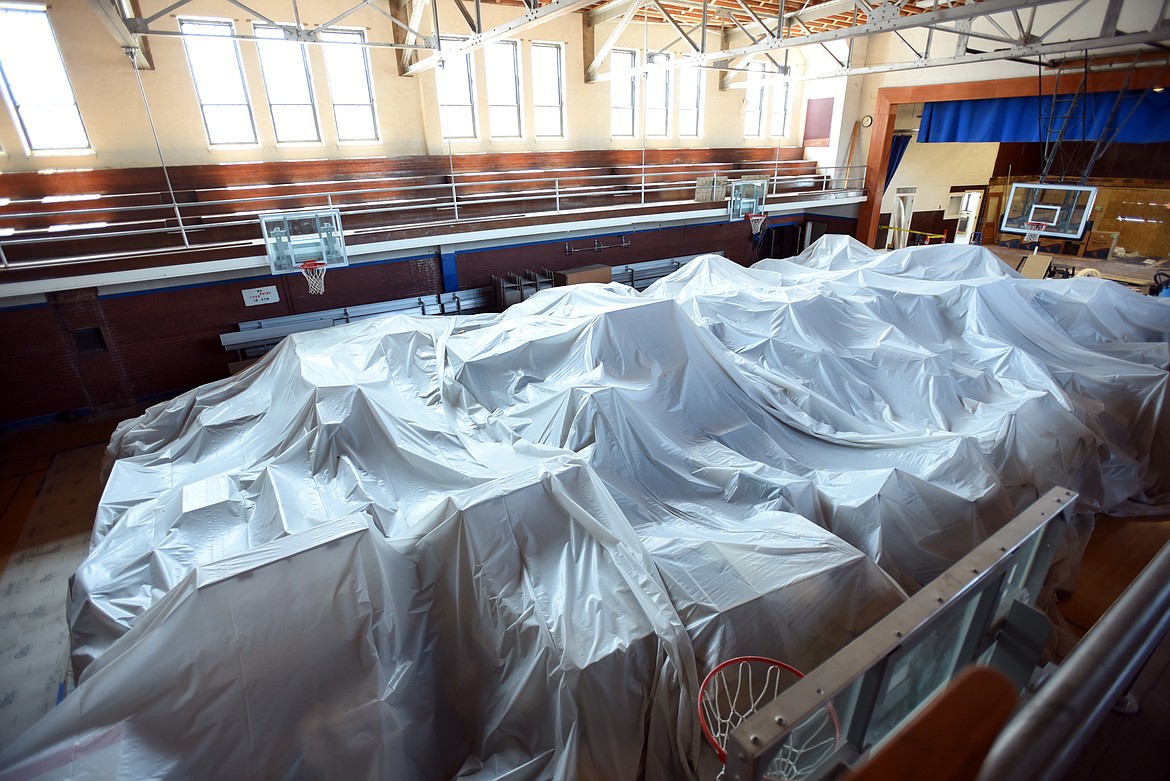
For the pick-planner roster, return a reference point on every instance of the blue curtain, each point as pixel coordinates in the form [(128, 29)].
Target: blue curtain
[(898, 146), (1026, 119)]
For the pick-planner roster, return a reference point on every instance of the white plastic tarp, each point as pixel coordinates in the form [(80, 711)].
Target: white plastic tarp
[(509, 545)]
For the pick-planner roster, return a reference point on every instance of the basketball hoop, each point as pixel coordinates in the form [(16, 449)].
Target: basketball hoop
[(314, 272), (737, 688), (1032, 231), (757, 221)]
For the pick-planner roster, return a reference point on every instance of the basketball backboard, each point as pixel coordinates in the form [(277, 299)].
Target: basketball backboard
[(981, 610), (294, 238), (747, 197), (1062, 209)]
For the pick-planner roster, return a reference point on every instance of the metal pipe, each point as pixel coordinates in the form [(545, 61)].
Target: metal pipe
[(1043, 739), (131, 52), (454, 189), (228, 213)]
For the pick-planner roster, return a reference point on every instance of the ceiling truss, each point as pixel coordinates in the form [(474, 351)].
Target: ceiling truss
[(718, 34)]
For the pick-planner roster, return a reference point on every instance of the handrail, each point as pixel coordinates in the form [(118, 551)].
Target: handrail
[(1043, 739), (386, 205), (548, 186)]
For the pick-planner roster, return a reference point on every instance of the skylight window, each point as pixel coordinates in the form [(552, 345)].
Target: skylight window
[(36, 84)]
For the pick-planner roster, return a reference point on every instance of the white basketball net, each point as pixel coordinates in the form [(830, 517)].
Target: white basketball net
[(314, 273), (1032, 231), (739, 690), (757, 221)]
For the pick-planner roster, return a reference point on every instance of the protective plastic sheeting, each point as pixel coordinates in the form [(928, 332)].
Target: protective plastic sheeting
[(509, 545)]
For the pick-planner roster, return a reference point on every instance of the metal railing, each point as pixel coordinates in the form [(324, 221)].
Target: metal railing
[(255, 336), (1044, 738), (149, 225)]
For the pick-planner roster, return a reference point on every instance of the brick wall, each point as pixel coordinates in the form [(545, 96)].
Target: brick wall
[(163, 342), (734, 239), (144, 345), (40, 378)]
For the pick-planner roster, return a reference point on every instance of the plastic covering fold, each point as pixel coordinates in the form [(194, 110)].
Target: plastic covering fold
[(509, 546)]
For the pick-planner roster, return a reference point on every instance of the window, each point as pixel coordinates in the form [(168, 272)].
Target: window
[(548, 95), (347, 67), (36, 82), (658, 96), (219, 81), (621, 92), (503, 88), (456, 92), (781, 96), (753, 100), (690, 98), (286, 80)]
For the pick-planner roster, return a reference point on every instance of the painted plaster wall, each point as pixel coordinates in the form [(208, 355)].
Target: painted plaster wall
[(934, 168), (119, 128)]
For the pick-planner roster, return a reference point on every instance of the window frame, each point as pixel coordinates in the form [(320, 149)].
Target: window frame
[(698, 105), (322, 37), (613, 88), (517, 106), (652, 58), (559, 48), (312, 104), (239, 67), (783, 101), (471, 91), (16, 108), (756, 74)]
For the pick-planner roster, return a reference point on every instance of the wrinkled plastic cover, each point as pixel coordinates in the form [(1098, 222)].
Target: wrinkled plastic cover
[(508, 546)]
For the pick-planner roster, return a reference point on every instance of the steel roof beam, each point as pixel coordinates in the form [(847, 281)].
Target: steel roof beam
[(678, 27), (880, 21), (110, 14), (417, 10), (614, 9), (591, 73), (1021, 50), (530, 18)]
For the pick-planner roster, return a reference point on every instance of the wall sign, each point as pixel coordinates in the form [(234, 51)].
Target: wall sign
[(254, 296)]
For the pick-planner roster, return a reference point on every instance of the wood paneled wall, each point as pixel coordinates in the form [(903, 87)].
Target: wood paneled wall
[(1145, 162)]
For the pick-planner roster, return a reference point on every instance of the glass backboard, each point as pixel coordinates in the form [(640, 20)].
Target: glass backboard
[(747, 197), (293, 238), (1061, 209), (877, 683)]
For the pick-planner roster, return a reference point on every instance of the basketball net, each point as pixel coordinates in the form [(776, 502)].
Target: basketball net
[(1032, 233), (757, 221), (737, 688), (314, 272)]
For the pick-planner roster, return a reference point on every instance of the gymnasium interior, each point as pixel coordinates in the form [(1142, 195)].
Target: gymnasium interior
[(598, 389)]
